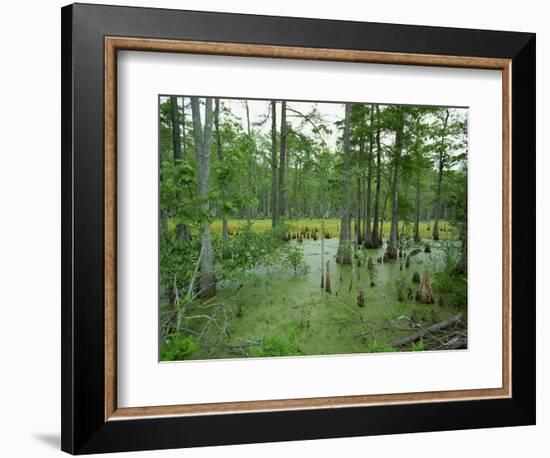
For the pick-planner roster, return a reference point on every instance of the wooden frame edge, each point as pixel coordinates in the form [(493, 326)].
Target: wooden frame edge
[(110, 201), (290, 52), (112, 45), (507, 227)]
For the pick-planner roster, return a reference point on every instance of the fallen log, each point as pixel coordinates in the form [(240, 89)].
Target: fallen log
[(456, 343), (429, 330)]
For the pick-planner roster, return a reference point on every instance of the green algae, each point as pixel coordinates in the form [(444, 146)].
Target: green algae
[(279, 313)]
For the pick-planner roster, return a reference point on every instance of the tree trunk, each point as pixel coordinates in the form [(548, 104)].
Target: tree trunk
[(328, 289), (417, 210), (343, 255), (182, 231), (282, 163), (368, 233), (358, 216), (392, 244), (183, 142), (322, 251), (274, 190), (294, 209), (219, 149), (426, 294), (386, 195), (250, 162), (176, 136), (376, 235), (441, 166), (203, 140)]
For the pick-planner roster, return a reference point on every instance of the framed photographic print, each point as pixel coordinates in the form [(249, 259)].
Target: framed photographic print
[(281, 228)]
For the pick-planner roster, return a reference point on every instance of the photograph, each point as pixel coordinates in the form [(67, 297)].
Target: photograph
[(300, 228), (276, 227)]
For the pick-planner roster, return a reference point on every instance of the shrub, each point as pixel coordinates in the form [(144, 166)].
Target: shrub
[(294, 259), (236, 256), (275, 346), (278, 345), (418, 346), (401, 286), (450, 259), (457, 295), (175, 348), (377, 347)]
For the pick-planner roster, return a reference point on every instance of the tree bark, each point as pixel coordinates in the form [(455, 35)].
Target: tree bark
[(182, 231), (368, 233), (441, 166), (386, 195), (274, 189), (426, 294), (282, 163), (376, 236), (328, 289), (322, 251), (183, 142), (250, 163), (343, 255), (359, 202), (176, 136), (391, 250), (203, 140), (417, 210), (219, 149)]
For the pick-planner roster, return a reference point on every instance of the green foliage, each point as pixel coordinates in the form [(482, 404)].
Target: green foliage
[(178, 260), (253, 299), (178, 196), (294, 259), (450, 258), (247, 250), (401, 286), (278, 346), (418, 346), (456, 294), (175, 348), (378, 347)]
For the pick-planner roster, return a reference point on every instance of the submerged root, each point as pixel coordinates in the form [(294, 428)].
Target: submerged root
[(361, 298)]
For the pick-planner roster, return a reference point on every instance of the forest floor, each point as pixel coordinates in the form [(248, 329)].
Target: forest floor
[(279, 313)]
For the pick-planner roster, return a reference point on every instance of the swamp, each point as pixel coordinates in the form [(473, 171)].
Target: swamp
[(291, 228)]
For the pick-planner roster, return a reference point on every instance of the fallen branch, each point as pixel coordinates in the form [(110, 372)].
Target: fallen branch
[(190, 290), (455, 343), (429, 330), (358, 315)]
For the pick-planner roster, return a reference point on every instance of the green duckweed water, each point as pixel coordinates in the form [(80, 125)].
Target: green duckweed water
[(291, 310)]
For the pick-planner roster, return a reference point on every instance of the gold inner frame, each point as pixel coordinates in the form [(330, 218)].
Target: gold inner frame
[(114, 44)]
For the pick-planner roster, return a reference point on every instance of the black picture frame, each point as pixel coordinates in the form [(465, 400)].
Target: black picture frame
[(84, 429)]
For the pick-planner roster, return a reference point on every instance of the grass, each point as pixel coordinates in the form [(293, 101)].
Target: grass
[(262, 225), (332, 226)]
